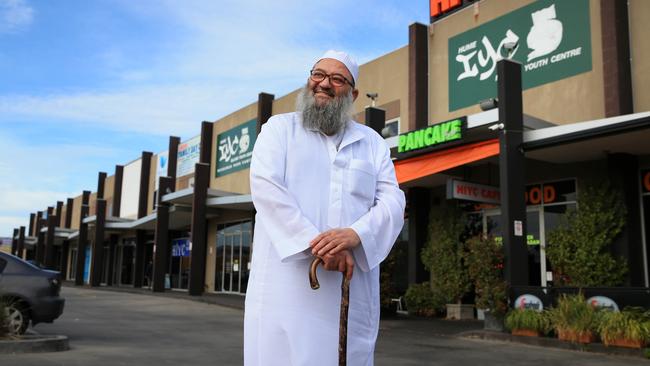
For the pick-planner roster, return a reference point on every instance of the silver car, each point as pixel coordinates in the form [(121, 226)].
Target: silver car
[(28, 293)]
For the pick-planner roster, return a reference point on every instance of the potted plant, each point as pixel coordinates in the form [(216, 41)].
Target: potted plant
[(628, 328), (421, 300), (579, 249), (484, 258), (443, 257), (573, 319), (527, 322)]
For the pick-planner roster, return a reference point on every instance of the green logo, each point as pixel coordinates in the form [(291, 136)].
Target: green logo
[(235, 148), (430, 136), (550, 38)]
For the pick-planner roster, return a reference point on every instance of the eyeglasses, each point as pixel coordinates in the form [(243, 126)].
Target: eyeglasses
[(336, 79)]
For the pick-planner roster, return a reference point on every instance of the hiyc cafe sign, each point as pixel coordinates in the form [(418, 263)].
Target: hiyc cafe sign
[(551, 39)]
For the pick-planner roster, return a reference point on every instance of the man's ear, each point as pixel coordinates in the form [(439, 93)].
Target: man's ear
[(355, 94)]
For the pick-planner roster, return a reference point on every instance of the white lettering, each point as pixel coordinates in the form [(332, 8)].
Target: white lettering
[(566, 55)]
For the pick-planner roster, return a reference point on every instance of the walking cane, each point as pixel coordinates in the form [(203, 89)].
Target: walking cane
[(345, 304)]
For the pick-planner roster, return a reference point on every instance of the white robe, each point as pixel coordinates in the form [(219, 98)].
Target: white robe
[(301, 185)]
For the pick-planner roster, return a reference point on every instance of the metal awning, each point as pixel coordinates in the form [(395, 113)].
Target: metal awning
[(590, 140), (243, 202), (185, 196)]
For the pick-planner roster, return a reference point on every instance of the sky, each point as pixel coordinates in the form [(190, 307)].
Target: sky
[(86, 85)]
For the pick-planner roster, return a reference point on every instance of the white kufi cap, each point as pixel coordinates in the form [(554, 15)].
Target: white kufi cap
[(346, 60)]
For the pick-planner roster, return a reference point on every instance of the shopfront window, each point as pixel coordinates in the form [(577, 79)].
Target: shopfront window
[(233, 259), (645, 220), (179, 271)]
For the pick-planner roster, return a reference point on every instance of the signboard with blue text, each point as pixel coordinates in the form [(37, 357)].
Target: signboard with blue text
[(235, 148), (550, 38), (189, 153), (180, 248)]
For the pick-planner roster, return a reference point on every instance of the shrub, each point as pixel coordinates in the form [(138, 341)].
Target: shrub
[(484, 258), (572, 313), (443, 254), (529, 319), (422, 300), (627, 324), (578, 249)]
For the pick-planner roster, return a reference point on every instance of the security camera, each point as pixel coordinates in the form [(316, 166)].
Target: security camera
[(509, 46), (372, 95), (488, 104)]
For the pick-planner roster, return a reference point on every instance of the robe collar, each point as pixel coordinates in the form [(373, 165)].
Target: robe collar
[(351, 134)]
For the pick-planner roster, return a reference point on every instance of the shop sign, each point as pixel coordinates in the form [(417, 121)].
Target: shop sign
[(235, 148), (439, 9), (528, 301), (180, 248), (161, 166), (472, 192), (551, 39), (602, 302), (645, 181), (189, 153), (552, 192), (430, 136)]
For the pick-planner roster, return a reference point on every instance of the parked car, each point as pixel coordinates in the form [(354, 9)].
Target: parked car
[(28, 293)]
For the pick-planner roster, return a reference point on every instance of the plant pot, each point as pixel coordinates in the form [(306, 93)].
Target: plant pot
[(493, 322), (573, 336), (624, 342), (460, 311), (525, 332)]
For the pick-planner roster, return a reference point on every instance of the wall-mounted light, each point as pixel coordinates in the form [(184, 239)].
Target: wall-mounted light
[(488, 104)]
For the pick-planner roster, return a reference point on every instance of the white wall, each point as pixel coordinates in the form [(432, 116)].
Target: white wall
[(131, 189)]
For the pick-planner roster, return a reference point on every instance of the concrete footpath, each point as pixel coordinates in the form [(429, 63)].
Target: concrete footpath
[(133, 327)]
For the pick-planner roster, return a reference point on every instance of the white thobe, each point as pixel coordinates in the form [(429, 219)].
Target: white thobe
[(303, 185)]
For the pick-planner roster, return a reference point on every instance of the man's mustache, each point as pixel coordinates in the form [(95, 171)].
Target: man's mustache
[(329, 92)]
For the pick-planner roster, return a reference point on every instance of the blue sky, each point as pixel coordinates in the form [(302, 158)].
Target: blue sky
[(86, 85)]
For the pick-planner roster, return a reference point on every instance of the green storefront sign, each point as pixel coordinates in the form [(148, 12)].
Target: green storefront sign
[(235, 148), (431, 136), (553, 42)]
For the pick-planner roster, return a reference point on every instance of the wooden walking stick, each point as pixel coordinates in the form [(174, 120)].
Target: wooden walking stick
[(345, 304)]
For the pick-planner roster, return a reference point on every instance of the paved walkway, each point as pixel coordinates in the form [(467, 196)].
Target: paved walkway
[(127, 328)]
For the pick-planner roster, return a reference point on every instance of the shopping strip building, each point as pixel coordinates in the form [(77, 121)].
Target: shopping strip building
[(186, 214)]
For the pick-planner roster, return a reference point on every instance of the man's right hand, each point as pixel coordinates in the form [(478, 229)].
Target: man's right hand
[(342, 261)]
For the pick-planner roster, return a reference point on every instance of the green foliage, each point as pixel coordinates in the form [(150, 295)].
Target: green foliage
[(484, 258), (422, 300), (529, 319), (443, 254), (387, 290), (573, 313), (579, 248), (627, 324)]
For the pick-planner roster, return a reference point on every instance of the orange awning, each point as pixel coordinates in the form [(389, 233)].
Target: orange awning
[(424, 165)]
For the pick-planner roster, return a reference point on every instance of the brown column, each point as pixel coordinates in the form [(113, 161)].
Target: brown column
[(117, 190), (264, 109), (162, 247), (418, 76), (376, 119), (174, 141), (39, 251), (98, 245), (69, 206), (82, 241), (199, 229), (101, 180), (206, 142), (48, 261), (65, 250), (57, 213), (616, 57), (21, 242), (14, 242), (141, 235), (32, 220)]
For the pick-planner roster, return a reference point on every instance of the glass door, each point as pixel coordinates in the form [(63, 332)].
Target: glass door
[(233, 255), (179, 270)]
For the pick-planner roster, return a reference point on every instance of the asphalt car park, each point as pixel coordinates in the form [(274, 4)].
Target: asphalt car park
[(120, 328)]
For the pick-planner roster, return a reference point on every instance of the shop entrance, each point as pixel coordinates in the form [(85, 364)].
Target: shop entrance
[(233, 255), (125, 262), (179, 270)]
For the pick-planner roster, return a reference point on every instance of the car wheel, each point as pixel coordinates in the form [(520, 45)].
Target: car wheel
[(17, 317)]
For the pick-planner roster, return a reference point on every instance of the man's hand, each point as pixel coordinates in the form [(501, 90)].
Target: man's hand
[(342, 262), (334, 241)]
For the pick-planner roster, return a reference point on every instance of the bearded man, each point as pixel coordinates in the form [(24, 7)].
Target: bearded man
[(323, 185)]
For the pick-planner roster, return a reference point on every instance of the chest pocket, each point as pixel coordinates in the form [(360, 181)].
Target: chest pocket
[(361, 182)]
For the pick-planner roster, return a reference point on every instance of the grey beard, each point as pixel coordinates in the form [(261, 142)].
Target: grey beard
[(331, 118)]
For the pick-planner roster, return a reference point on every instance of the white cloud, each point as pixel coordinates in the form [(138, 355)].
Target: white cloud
[(15, 15)]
